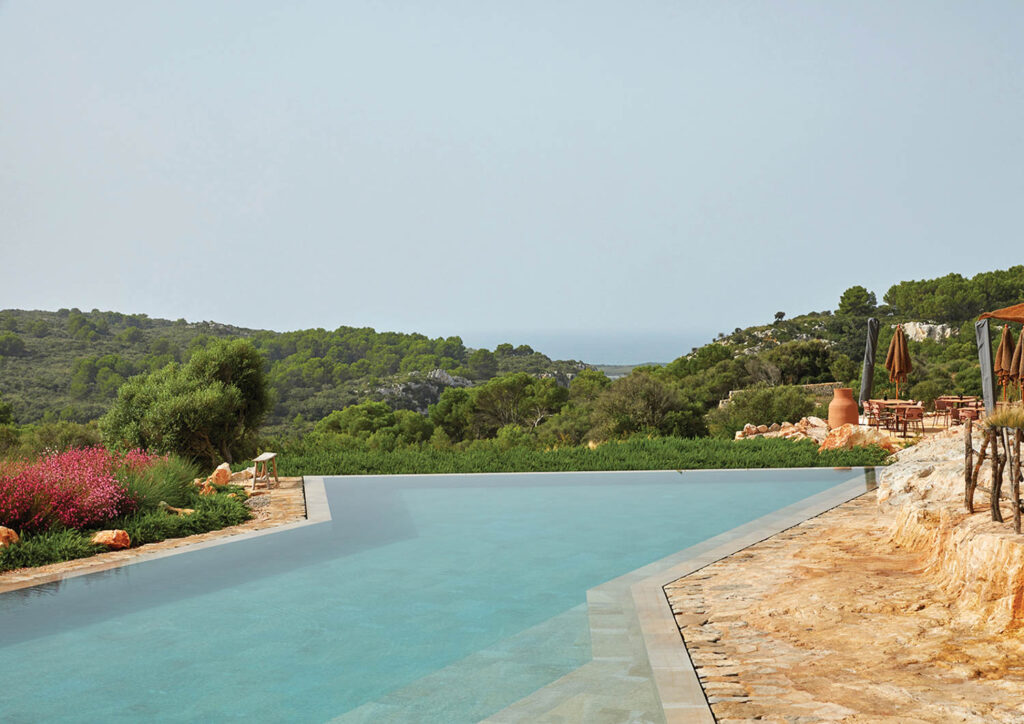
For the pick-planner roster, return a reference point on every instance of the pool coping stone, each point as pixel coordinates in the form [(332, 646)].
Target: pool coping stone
[(681, 693)]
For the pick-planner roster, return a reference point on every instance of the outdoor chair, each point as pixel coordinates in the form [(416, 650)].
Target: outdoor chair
[(871, 413), (913, 417), (941, 413), (968, 413), (878, 416), (887, 418)]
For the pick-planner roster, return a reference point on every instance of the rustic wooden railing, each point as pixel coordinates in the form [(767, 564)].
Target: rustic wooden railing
[(1001, 446)]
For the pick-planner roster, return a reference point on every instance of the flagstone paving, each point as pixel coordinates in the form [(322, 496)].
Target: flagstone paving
[(831, 621)]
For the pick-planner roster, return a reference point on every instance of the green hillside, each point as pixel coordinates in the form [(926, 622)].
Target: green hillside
[(69, 364)]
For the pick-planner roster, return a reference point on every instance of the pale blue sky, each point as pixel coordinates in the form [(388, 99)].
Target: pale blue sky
[(622, 178)]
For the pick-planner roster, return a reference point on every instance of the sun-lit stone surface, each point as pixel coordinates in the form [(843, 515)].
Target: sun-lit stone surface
[(847, 437), (7, 536), (898, 607), (221, 475), (113, 539)]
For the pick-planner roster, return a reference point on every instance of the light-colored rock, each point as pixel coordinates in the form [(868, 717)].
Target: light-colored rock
[(762, 429), (931, 470), (221, 476), (813, 421), (8, 536), (774, 427), (749, 430), (920, 331), (979, 561), (241, 476), (175, 511), (113, 539), (847, 437)]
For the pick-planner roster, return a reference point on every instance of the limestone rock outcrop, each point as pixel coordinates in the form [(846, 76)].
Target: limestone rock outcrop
[(847, 437), (976, 560), (809, 427), (920, 331)]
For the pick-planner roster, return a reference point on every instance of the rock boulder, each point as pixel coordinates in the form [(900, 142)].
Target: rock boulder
[(221, 476), (7, 537), (847, 437), (114, 539)]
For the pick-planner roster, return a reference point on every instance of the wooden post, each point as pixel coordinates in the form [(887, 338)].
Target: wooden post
[(1015, 472), (979, 463), (968, 465), (997, 476)]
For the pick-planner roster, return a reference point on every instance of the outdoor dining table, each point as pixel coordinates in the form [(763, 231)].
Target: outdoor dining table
[(956, 401), (898, 408)]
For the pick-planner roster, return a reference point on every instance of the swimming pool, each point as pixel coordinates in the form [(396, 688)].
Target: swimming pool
[(424, 598)]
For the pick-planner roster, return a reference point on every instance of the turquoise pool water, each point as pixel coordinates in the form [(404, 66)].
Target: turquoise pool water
[(471, 586)]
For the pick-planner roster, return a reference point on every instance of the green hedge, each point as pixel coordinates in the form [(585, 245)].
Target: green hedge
[(634, 454)]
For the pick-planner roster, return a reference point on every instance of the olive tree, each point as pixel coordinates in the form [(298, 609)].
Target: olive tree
[(208, 409)]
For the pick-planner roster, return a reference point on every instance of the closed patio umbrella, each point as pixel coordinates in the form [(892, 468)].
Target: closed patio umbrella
[(897, 360), (1004, 358), (1017, 364), (867, 377)]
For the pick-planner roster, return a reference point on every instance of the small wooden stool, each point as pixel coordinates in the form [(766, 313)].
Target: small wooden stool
[(257, 474)]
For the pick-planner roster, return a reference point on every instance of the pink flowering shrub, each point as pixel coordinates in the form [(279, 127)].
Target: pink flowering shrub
[(75, 489)]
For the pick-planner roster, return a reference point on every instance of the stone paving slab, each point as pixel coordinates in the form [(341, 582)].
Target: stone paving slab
[(829, 621)]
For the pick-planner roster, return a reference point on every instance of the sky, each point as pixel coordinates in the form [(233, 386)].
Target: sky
[(615, 182)]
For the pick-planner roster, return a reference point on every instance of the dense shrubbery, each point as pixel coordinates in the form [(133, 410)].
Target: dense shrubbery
[(62, 544), (69, 364), (519, 404), (167, 480), (26, 442), (55, 503), (760, 405), (73, 489), (208, 409), (637, 453)]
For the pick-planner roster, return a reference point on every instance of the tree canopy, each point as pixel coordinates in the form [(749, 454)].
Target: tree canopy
[(208, 409)]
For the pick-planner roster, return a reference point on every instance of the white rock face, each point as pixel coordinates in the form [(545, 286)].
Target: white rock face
[(932, 470), (920, 331), (979, 561)]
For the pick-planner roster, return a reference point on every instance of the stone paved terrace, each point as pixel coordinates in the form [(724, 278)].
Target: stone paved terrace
[(285, 505), (831, 621)]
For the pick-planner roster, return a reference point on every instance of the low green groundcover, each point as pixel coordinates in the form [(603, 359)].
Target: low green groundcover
[(639, 453), (212, 512)]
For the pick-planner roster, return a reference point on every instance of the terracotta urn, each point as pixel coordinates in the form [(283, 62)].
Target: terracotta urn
[(843, 408)]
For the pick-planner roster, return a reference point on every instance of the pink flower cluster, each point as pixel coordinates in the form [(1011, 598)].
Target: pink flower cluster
[(76, 489)]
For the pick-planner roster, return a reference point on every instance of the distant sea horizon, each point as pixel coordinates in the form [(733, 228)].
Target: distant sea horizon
[(599, 348)]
